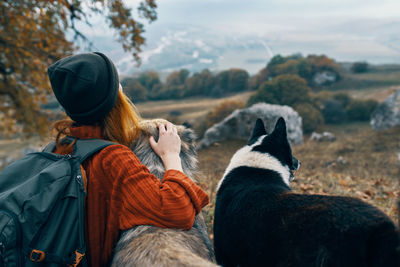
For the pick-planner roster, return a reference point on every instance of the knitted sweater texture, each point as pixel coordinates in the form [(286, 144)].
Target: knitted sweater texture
[(122, 194)]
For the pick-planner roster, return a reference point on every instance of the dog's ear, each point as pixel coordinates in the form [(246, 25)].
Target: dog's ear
[(258, 130), (280, 127)]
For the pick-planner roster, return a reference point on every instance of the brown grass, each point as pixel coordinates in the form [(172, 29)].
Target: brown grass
[(377, 93), (191, 109), (370, 172)]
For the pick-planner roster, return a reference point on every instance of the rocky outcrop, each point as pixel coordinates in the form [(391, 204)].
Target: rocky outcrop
[(240, 123), (324, 137), (387, 114), (6, 160)]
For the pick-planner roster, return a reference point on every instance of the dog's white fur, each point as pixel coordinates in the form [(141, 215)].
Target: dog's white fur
[(244, 157)]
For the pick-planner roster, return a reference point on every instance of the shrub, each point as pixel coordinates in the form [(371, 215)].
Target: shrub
[(361, 110), (343, 98), (285, 89), (359, 67), (310, 115), (333, 111)]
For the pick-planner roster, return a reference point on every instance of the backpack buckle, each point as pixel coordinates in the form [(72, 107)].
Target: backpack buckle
[(37, 255)]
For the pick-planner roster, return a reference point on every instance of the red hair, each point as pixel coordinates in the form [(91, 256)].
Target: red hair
[(121, 125)]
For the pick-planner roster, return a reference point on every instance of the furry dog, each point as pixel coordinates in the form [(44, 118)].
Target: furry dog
[(153, 246), (259, 221)]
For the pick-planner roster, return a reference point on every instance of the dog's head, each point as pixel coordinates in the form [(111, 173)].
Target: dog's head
[(141, 147), (275, 144), (266, 151)]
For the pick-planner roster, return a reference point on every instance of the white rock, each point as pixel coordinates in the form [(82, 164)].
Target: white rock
[(325, 136), (387, 114), (240, 123)]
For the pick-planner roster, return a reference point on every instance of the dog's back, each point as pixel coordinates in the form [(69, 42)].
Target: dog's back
[(153, 246), (260, 222)]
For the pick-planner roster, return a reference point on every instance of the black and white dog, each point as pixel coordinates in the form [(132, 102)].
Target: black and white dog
[(259, 221)]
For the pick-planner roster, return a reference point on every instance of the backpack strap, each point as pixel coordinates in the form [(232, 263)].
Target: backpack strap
[(84, 148)]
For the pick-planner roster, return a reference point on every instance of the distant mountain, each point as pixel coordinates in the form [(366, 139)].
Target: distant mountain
[(192, 48), (172, 47)]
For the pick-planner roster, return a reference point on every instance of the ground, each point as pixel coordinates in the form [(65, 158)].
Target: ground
[(369, 167)]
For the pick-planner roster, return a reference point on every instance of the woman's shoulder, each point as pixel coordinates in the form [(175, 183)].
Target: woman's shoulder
[(116, 160), (116, 150)]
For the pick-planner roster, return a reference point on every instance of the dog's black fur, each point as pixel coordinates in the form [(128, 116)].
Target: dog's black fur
[(260, 222)]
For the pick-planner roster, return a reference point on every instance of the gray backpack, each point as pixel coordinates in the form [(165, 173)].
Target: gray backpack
[(42, 207)]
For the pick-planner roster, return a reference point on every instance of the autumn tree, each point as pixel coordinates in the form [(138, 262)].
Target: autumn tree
[(33, 34), (238, 80), (134, 90), (256, 80), (305, 67), (200, 83), (151, 81)]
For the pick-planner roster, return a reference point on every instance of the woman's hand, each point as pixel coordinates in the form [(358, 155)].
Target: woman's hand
[(168, 146)]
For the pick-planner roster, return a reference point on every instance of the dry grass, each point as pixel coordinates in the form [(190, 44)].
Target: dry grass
[(192, 109), (377, 93), (370, 170)]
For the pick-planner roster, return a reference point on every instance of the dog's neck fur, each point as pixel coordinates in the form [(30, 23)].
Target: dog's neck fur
[(248, 158), (141, 147)]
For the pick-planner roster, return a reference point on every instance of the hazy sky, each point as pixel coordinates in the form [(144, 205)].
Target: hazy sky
[(347, 30), (258, 16)]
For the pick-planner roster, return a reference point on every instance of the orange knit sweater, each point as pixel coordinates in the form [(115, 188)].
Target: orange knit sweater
[(122, 193)]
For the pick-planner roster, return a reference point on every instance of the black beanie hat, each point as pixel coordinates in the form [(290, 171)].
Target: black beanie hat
[(86, 85)]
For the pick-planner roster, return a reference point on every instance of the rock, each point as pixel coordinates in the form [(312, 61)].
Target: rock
[(387, 114), (324, 77), (29, 149), (240, 123), (324, 137), (341, 160)]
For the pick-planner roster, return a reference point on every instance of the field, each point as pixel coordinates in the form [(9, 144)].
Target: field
[(191, 109), (379, 76), (369, 167)]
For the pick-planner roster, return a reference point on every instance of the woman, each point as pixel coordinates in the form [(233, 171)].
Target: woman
[(122, 193)]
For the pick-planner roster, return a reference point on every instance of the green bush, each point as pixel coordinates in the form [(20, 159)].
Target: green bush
[(361, 110), (343, 98), (359, 67), (333, 111), (311, 116), (285, 89)]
